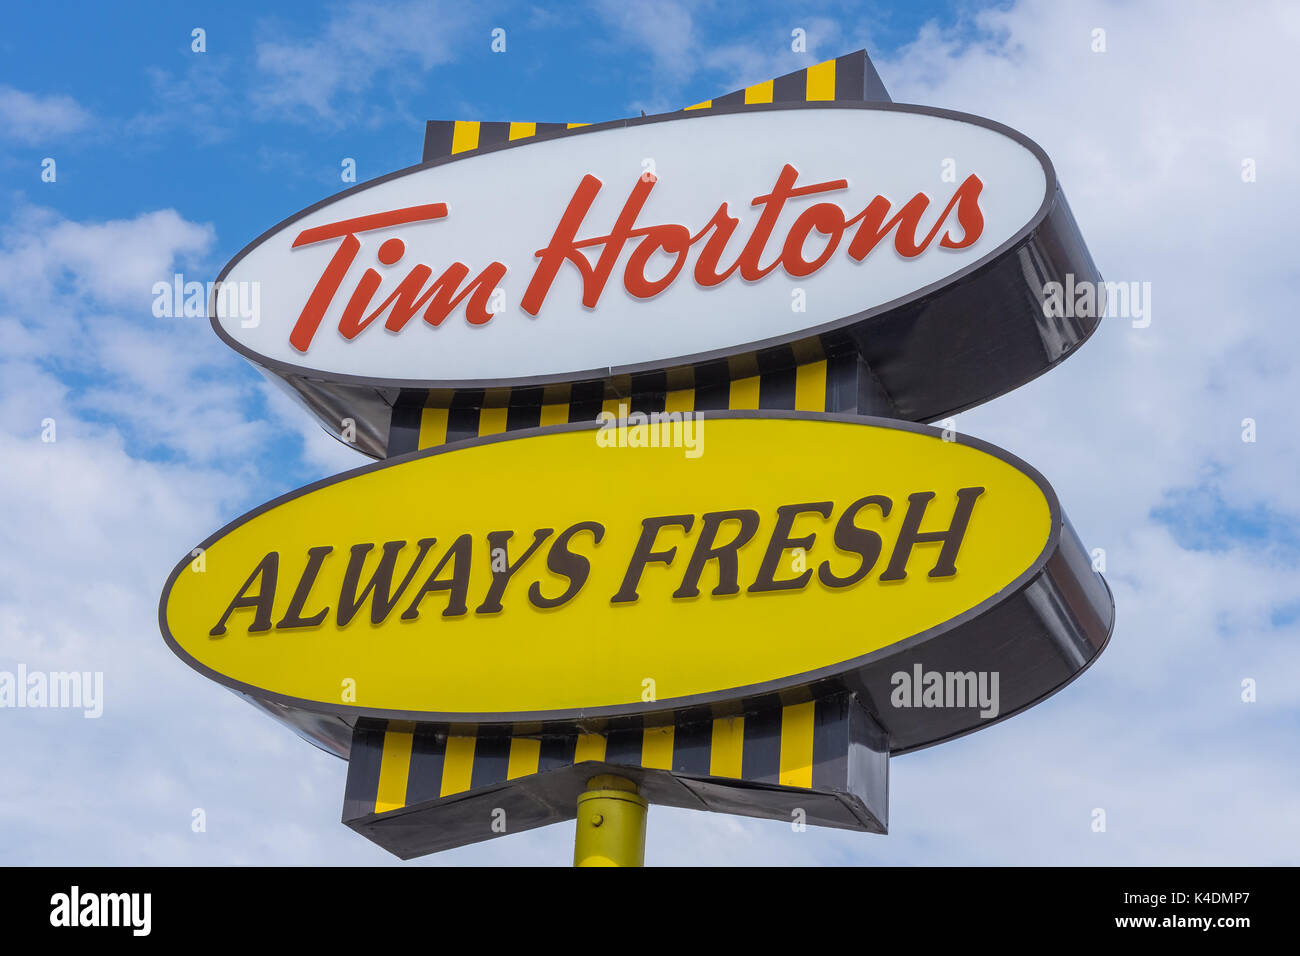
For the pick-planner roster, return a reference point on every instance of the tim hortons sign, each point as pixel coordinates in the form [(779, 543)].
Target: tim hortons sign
[(552, 260), (658, 500), (669, 244)]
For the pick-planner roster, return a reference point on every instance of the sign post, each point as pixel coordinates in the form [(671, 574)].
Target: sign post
[(611, 823), (656, 515)]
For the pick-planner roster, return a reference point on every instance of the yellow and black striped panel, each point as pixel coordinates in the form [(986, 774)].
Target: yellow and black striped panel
[(783, 378), (443, 138), (849, 77), (802, 745)]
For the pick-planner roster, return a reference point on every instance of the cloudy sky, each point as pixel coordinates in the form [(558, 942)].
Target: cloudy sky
[(167, 160)]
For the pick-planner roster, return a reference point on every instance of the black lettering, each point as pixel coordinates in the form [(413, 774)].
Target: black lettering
[(911, 534), (500, 579), (293, 617), (263, 601), (781, 542), (564, 562), (726, 555), (643, 553), (460, 553), (380, 582), (854, 540)]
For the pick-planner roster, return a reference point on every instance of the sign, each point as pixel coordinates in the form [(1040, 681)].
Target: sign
[(908, 247), (469, 582), (636, 244), (655, 509)]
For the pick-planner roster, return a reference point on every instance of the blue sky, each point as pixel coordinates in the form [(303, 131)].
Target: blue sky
[(169, 160), (257, 138)]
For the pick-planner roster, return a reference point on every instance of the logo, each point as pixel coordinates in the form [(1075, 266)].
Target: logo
[(547, 259), (127, 910), (823, 223)]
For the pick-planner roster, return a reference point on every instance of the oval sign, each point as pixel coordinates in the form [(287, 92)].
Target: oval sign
[(585, 570), (634, 245)]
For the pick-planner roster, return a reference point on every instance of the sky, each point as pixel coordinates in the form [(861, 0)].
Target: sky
[(1172, 444)]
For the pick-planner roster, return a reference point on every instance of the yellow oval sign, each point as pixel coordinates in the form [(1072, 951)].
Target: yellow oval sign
[(588, 569)]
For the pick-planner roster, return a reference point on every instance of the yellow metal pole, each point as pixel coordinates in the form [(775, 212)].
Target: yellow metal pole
[(611, 824)]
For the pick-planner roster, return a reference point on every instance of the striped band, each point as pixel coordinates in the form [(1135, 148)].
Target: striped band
[(768, 757), (841, 383), (423, 762), (849, 77)]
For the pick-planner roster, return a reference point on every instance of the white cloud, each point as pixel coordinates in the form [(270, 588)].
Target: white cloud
[(43, 256), (682, 64), (34, 119), (664, 29), (196, 100), (160, 438), (322, 77)]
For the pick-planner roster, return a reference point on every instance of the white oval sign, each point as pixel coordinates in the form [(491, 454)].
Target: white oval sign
[(632, 244)]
